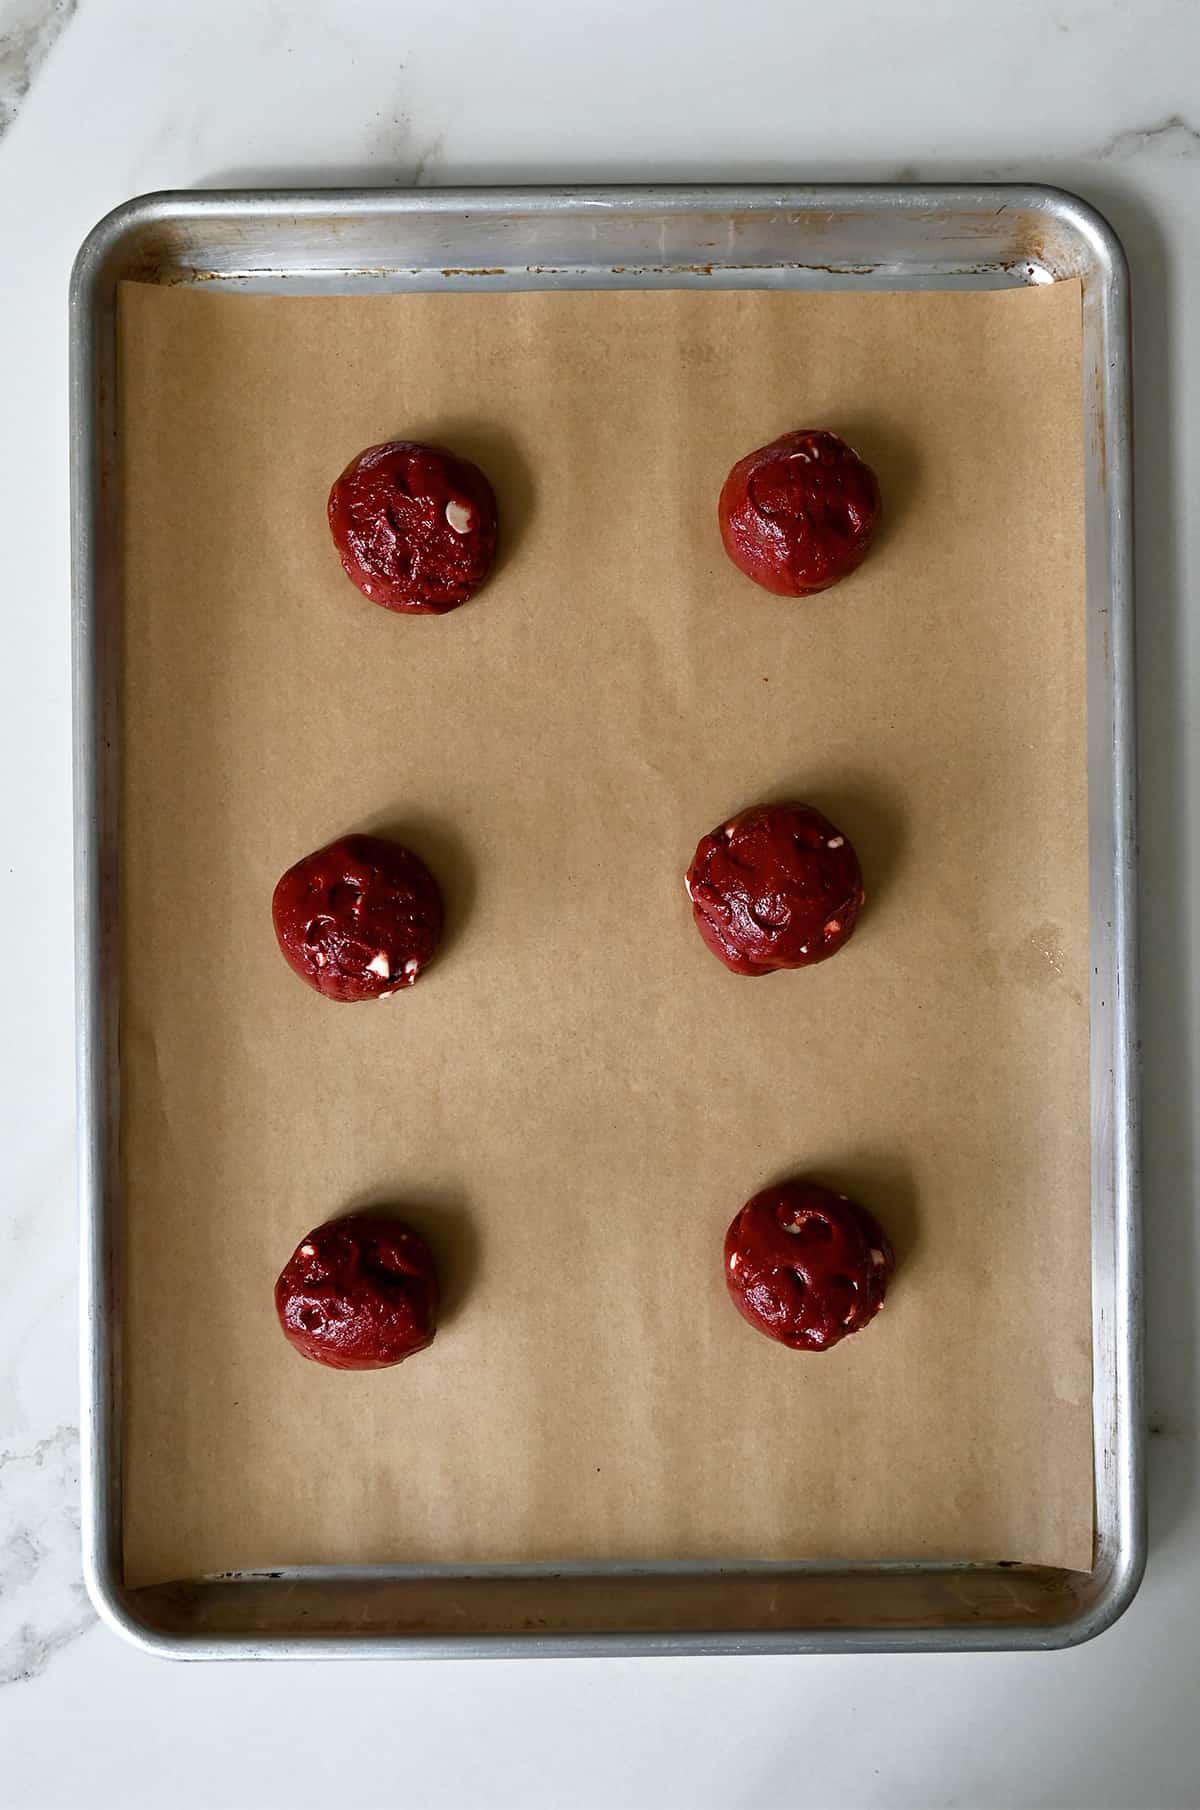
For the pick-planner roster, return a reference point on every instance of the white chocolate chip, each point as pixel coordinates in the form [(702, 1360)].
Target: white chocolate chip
[(796, 1226), (308, 1250), (379, 964), (459, 517), (367, 589), (729, 829), (836, 842), (319, 958), (833, 927), (412, 965), (804, 948)]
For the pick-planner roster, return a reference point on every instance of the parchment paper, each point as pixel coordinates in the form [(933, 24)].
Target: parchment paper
[(577, 1097)]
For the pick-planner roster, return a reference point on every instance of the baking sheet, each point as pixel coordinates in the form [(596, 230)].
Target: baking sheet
[(577, 1097)]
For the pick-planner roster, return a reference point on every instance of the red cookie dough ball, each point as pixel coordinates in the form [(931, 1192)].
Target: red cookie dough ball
[(778, 886), (806, 1266), (415, 527), (358, 919), (359, 1293), (799, 514)]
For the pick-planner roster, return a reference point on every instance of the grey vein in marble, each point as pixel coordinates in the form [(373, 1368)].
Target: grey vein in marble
[(28, 31), (1173, 136), (43, 1604), (428, 161), (1172, 139)]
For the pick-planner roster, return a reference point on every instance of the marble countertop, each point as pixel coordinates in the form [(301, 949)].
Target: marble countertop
[(102, 99)]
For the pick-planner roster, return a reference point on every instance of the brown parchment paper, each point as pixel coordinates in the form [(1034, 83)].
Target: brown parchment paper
[(577, 1097)]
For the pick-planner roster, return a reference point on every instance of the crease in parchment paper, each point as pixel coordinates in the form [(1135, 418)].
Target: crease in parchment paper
[(577, 1097)]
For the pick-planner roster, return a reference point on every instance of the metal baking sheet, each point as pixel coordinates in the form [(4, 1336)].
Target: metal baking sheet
[(828, 237)]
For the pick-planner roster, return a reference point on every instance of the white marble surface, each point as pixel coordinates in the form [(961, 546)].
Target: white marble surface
[(101, 99)]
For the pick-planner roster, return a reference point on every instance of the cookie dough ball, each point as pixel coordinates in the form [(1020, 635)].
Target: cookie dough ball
[(806, 1266), (358, 1294), (799, 514), (777, 886), (358, 919), (415, 527)]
